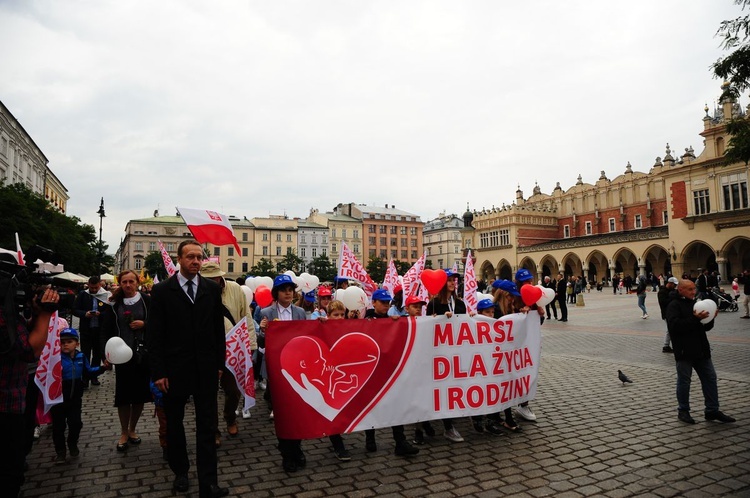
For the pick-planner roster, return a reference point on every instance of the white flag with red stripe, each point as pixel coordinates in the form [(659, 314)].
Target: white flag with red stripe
[(391, 277), (470, 286), (239, 361), (19, 251), (49, 371), (209, 226), (351, 268), (168, 264), (411, 278)]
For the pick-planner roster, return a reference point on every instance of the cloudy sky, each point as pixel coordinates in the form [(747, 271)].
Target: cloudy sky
[(257, 108)]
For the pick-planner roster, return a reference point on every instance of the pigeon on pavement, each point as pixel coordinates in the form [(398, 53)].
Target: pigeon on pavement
[(623, 378)]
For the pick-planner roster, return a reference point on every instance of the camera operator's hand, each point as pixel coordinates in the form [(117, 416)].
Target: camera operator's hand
[(137, 324), (38, 335), (49, 296)]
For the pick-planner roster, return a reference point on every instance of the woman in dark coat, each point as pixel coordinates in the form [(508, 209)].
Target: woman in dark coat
[(126, 318)]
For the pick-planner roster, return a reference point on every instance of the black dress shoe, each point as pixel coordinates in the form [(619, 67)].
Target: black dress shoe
[(289, 465), (181, 483), (717, 415), (300, 460), (217, 492)]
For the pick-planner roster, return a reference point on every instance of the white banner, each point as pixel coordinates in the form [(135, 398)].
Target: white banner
[(239, 361), (350, 267), (391, 278), (49, 371), (470, 286), (168, 264), (411, 278)]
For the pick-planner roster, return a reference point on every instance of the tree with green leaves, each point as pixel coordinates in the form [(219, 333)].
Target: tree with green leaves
[(401, 266), (154, 265), (263, 268), (735, 69), (376, 268), (29, 214), (322, 268), (290, 261)]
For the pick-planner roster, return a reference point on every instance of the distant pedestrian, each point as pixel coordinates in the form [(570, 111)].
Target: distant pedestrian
[(640, 291), (664, 296), (561, 289), (745, 281)]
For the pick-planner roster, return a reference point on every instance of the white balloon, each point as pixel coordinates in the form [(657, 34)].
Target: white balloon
[(251, 283), (248, 295), (339, 295), (706, 305), (307, 282), (548, 295), (354, 298), (267, 281), (117, 352), (482, 296)]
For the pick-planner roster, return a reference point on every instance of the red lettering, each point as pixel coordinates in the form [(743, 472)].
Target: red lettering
[(475, 397), (457, 373), (477, 366), (464, 334), (483, 333), (527, 358), (443, 336), (436, 399), (498, 328), (455, 398), (441, 367), (493, 394)]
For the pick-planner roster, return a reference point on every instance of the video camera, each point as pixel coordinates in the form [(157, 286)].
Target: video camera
[(19, 283)]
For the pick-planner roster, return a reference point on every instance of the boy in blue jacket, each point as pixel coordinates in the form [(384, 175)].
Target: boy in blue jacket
[(76, 372)]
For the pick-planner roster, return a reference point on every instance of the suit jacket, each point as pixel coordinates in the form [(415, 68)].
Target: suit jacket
[(186, 340), (272, 312)]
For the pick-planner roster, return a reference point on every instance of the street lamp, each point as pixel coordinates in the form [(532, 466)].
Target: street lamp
[(101, 219)]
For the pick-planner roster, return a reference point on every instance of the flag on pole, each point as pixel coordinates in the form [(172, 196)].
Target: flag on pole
[(454, 270), (470, 285), (350, 267), (209, 226), (49, 371), (19, 251), (239, 361), (168, 264), (411, 278), (156, 279), (391, 278)]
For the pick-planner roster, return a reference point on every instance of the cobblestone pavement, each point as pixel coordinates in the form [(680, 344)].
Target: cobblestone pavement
[(593, 437)]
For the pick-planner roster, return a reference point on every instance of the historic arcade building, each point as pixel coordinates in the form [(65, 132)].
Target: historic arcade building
[(687, 213)]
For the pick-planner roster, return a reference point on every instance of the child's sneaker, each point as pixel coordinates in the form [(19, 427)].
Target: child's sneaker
[(60, 459), (418, 437)]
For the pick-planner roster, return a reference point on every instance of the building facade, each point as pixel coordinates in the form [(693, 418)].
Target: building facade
[(387, 232), (313, 241), (685, 214), (22, 161), (442, 241), (341, 228), (274, 237)]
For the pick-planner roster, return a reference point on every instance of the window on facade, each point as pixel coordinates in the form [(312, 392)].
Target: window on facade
[(467, 243), (484, 239), (701, 202), (139, 246), (372, 253), (217, 251), (383, 241), (356, 248), (278, 237), (278, 250), (440, 263), (566, 231), (371, 240), (403, 254), (230, 251), (734, 190), (414, 255), (413, 242), (170, 246), (413, 230), (187, 234), (265, 250), (394, 230), (394, 241), (152, 246), (638, 221), (394, 253), (333, 247), (302, 252), (333, 232), (265, 236), (230, 267), (244, 236), (429, 251), (494, 238), (138, 232), (289, 237), (665, 217), (323, 251), (244, 252), (403, 230), (355, 234), (244, 267), (151, 232), (371, 229), (343, 233), (383, 253), (505, 237), (455, 249), (138, 263), (404, 241), (589, 229), (612, 226), (302, 239), (315, 252)]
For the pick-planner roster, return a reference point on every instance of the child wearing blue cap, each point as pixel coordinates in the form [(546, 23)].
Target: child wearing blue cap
[(75, 371)]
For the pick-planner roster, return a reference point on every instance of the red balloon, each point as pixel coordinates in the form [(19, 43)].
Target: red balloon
[(263, 296), (434, 280), (530, 294)]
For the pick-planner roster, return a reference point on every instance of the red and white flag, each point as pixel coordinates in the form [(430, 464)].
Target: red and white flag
[(168, 264), (239, 361), (209, 226), (49, 371), (470, 285), (411, 278), (19, 251), (350, 267), (391, 278)]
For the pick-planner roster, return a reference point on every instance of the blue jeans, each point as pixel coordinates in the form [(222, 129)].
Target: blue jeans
[(642, 303), (707, 375)]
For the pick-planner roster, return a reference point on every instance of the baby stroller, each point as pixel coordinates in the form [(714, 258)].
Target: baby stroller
[(724, 301)]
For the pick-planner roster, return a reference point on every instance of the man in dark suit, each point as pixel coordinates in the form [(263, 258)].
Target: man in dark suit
[(292, 457), (89, 307), (550, 284), (187, 349), (560, 288)]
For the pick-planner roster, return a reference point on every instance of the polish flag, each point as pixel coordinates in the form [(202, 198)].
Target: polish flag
[(20, 252), (209, 226)]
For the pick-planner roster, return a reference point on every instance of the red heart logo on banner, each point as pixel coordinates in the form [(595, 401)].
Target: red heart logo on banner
[(434, 280), (530, 294), (328, 379)]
